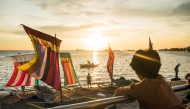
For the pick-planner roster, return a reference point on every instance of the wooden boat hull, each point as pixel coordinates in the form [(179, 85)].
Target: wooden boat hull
[(87, 66), (45, 93), (124, 82), (175, 79)]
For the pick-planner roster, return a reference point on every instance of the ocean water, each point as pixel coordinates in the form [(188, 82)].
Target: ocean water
[(99, 74)]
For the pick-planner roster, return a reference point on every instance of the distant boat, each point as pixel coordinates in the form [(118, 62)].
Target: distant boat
[(18, 53), (88, 65), (80, 49)]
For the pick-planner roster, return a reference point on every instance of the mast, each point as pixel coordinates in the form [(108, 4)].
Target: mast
[(112, 75)]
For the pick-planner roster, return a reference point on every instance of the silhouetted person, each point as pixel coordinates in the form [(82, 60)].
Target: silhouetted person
[(176, 70), (88, 62), (152, 92), (122, 78), (187, 77), (23, 89), (89, 79)]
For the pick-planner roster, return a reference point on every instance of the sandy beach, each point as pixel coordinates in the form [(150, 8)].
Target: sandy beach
[(70, 96)]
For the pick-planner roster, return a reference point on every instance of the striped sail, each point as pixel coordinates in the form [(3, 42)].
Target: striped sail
[(110, 62), (68, 69), (150, 45), (20, 78), (45, 64)]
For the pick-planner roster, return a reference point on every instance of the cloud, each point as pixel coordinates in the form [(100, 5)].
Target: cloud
[(182, 10), (5, 14), (20, 32), (115, 22), (129, 8), (74, 7), (77, 13), (108, 8), (63, 31), (36, 17), (180, 16), (113, 14), (62, 28)]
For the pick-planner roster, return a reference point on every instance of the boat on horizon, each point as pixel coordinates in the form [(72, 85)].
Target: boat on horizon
[(80, 49)]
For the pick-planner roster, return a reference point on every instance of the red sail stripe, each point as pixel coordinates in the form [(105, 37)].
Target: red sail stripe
[(14, 75), (69, 80), (21, 79), (110, 63), (18, 77), (56, 82), (50, 71)]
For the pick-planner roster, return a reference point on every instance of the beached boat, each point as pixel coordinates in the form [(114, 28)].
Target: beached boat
[(44, 65), (123, 82), (45, 93), (88, 65)]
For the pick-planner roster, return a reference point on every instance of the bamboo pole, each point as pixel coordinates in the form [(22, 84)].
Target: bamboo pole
[(102, 103)]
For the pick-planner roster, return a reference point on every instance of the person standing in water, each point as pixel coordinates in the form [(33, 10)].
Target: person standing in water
[(176, 70), (89, 80)]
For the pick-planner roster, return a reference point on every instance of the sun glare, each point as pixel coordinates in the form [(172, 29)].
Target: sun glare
[(95, 42)]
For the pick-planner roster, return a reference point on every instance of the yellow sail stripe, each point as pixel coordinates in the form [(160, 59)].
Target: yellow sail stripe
[(65, 59), (36, 39), (44, 43), (30, 63)]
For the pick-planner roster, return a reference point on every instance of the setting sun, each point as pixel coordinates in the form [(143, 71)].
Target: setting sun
[(96, 42)]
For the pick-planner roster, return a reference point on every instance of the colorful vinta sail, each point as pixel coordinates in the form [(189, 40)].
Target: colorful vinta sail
[(110, 62), (150, 45), (70, 76), (45, 64), (20, 78)]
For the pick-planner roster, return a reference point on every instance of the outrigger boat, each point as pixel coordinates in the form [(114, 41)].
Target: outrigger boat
[(123, 82), (43, 65), (18, 77), (88, 65)]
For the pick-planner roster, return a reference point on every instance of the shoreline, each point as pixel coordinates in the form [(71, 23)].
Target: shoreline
[(70, 96)]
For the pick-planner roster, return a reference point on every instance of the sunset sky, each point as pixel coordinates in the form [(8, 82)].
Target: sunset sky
[(91, 24)]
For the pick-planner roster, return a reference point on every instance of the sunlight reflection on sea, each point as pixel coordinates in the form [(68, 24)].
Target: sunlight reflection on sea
[(99, 74)]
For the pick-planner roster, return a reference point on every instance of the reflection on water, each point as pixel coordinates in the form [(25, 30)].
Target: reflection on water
[(94, 57), (121, 67), (92, 70)]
